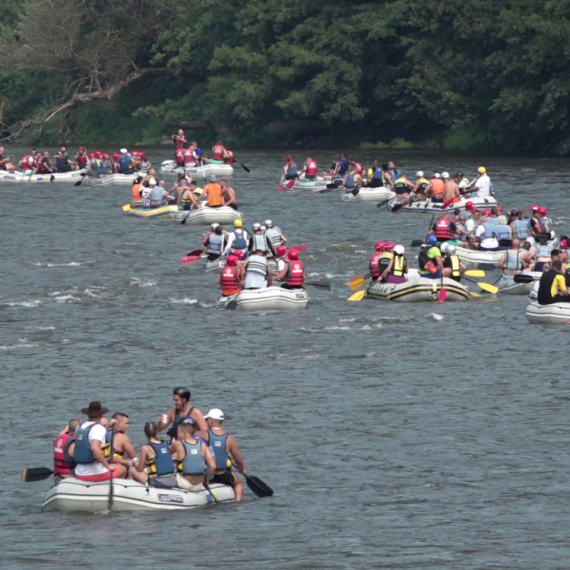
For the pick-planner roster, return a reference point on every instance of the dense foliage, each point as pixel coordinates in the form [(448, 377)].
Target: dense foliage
[(480, 73)]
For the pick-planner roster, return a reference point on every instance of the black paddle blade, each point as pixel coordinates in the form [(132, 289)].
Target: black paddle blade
[(257, 486), (416, 243), (322, 284), (245, 167), (232, 305), (36, 474), (520, 278), (78, 183)]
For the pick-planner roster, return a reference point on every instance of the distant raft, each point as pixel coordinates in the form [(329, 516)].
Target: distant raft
[(375, 195), (267, 299), (202, 216), (23, 178), (72, 495), (222, 170), (430, 207), (317, 185)]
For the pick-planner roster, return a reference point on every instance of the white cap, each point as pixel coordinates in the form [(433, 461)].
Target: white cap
[(420, 173), (152, 182), (445, 174), (124, 151), (263, 228), (436, 175), (215, 414), (269, 223), (443, 247), (400, 250)]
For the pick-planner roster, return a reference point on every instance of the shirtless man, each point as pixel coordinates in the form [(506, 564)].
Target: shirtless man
[(228, 194), (451, 194), (123, 450), (182, 409), (512, 261), (5, 163), (178, 188)]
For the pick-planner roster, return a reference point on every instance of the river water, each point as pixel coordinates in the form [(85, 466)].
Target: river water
[(394, 435)]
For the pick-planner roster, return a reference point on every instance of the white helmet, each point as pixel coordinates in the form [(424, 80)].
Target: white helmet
[(255, 226), (450, 249), (420, 174), (445, 175), (399, 250), (214, 226), (263, 228), (436, 175), (444, 247), (269, 223)]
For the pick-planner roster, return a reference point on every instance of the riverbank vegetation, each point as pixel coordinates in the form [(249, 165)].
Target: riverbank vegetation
[(461, 75)]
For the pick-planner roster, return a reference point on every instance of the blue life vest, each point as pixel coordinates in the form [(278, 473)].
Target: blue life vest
[(292, 171), (124, 164), (342, 167), (163, 460), (522, 229), (215, 244), (156, 194), (104, 168), (503, 232), (543, 251), (377, 173), (218, 444), (199, 153), (349, 181), (491, 231), (239, 242), (82, 452), (194, 463)]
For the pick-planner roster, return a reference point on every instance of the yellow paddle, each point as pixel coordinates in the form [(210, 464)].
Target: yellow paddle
[(488, 287), (358, 296), (356, 282), (126, 207), (475, 273), (475, 294)]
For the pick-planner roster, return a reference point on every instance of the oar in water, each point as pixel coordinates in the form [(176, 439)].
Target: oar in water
[(416, 243), (244, 167), (186, 217), (322, 284), (126, 207), (474, 273), (522, 278), (442, 295), (111, 453), (356, 282), (483, 286), (358, 296), (257, 486), (189, 259), (36, 474), (291, 183)]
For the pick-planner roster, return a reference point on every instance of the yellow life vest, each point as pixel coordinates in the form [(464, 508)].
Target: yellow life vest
[(398, 266)]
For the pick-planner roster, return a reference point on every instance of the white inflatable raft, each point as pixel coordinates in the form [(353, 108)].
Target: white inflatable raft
[(507, 285), (206, 215), (74, 495), (268, 299), (318, 185), (23, 178), (113, 179), (555, 314), (169, 167), (369, 195), (213, 265), (417, 289), (429, 207)]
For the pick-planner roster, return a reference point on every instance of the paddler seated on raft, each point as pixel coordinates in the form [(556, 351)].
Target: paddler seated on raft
[(512, 262), (486, 234), (196, 465), (420, 186), (137, 189), (403, 187), (519, 227), (218, 153), (182, 409), (225, 447), (352, 181), (179, 186), (341, 167), (310, 170), (293, 272), (90, 437), (280, 259), (453, 267), (430, 261), (80, 158), (117, 439), (105, 167), (537, 224), (444, 229), (329, 174), (481, 187), (158, 195), (394, 171), (436, 188), (290, 170), (373, 268), (274, 234), (256, 271), (215, 243), (213, 193), (260, 242), (228, 194), (197, 153), (451, 193), (155, 457), (552, 286), (374, 176), (64, 164), (237, 239), (542, 254), (64, 446), (125, 162), (44, 164), (384, 259), (554, 256), (397, 268), (28, 162), (461, 181), (5, 163), (230, 279)]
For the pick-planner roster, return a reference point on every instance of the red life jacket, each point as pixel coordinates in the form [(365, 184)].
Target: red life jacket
[(41, 169), (358, 167), (180, 156), (177, 143), (373, 265), (295, 274), (438, 186), (230, 158), (218, 152), (63, 463), (81, 159), (27, 162), (230, 282), (442, 232), (312, 168), (189, 155)]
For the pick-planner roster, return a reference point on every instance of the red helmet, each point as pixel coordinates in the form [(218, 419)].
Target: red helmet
[(98, 154), (92, 155), (563, 244), (238, 254), (293, 254), (469, 206), (105, 156), (499, 208), (135, 153), (280, 250), (534, 208), (116, 156), (379, 245), (141, 154), (389, 245), (231, 260), (542, 211), (486, 213)]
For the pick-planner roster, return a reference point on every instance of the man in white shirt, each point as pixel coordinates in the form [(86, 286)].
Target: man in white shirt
[(483, 183), (488, 242), (90, 437)]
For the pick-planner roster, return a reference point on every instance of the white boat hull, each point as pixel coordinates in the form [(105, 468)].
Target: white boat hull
[(268, 299), (73, 495), (556, 314), (22, 178), (318, 185), (169, 167), (429, 207), (205, 216), (369, 195), (113, 179), (417, 290), (476, 257), (507, 285)]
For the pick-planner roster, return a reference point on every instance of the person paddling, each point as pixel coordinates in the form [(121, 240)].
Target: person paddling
[(512, 261), (64, 446)]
